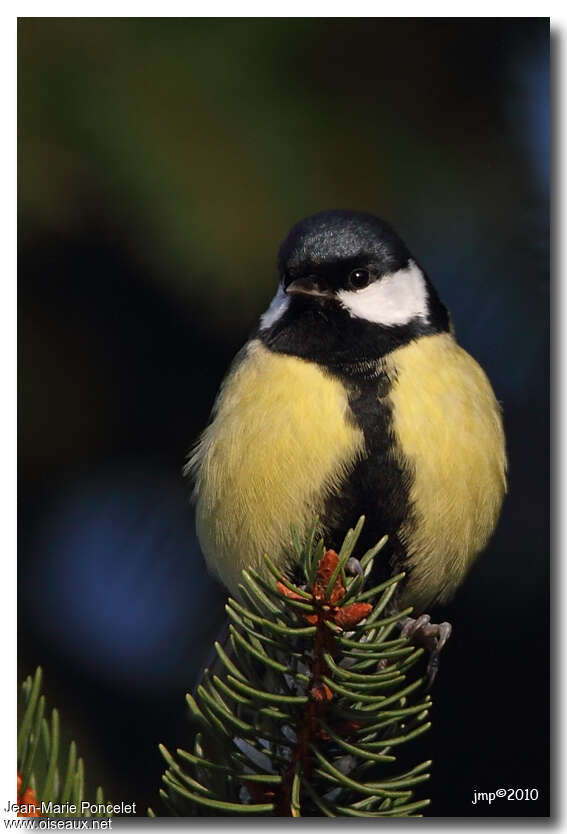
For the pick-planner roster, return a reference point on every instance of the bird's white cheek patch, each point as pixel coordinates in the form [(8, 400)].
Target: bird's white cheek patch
[(280, 303), (393, 299)]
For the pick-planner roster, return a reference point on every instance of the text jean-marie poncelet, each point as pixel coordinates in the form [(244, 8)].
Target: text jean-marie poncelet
[(70, 809)]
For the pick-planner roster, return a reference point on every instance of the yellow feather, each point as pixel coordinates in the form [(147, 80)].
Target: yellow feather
[(279, 444), (251, 483), (447, 424)]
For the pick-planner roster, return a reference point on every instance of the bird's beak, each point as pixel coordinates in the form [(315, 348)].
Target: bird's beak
[(308, 286)]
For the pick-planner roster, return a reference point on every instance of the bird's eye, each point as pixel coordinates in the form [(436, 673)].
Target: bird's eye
[(359, 278)]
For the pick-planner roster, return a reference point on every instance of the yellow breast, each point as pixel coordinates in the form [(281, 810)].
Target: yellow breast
[(448, 426), (279, 444)]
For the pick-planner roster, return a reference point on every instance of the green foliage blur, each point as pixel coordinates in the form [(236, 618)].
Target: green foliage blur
[(205, 139)]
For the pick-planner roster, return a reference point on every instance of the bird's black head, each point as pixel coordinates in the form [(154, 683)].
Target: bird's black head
[(331, 242), (349, 292)]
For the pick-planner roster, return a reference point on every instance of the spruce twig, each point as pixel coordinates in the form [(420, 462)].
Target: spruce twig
[(313, 704), (41, 761)]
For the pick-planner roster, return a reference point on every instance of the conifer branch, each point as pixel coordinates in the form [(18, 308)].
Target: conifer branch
[(48, 776), (314, 701)]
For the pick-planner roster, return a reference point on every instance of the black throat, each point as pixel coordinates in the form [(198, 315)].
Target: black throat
[(322, 331)]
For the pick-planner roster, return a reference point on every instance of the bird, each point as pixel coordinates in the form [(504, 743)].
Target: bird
[(353, 397)]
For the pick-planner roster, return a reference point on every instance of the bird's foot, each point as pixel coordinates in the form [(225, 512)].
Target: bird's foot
[(353, 567), (432, 636)]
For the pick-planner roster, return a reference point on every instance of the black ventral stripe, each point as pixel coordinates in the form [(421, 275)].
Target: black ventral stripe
[(380, 482)]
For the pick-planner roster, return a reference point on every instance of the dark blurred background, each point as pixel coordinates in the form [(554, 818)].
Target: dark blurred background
[(161, 162)]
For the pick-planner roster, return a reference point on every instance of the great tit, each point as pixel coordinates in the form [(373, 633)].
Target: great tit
[(352, 397)]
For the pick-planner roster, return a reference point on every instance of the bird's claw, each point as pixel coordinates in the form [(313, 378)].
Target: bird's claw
[(432, 636), (353, 567)]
